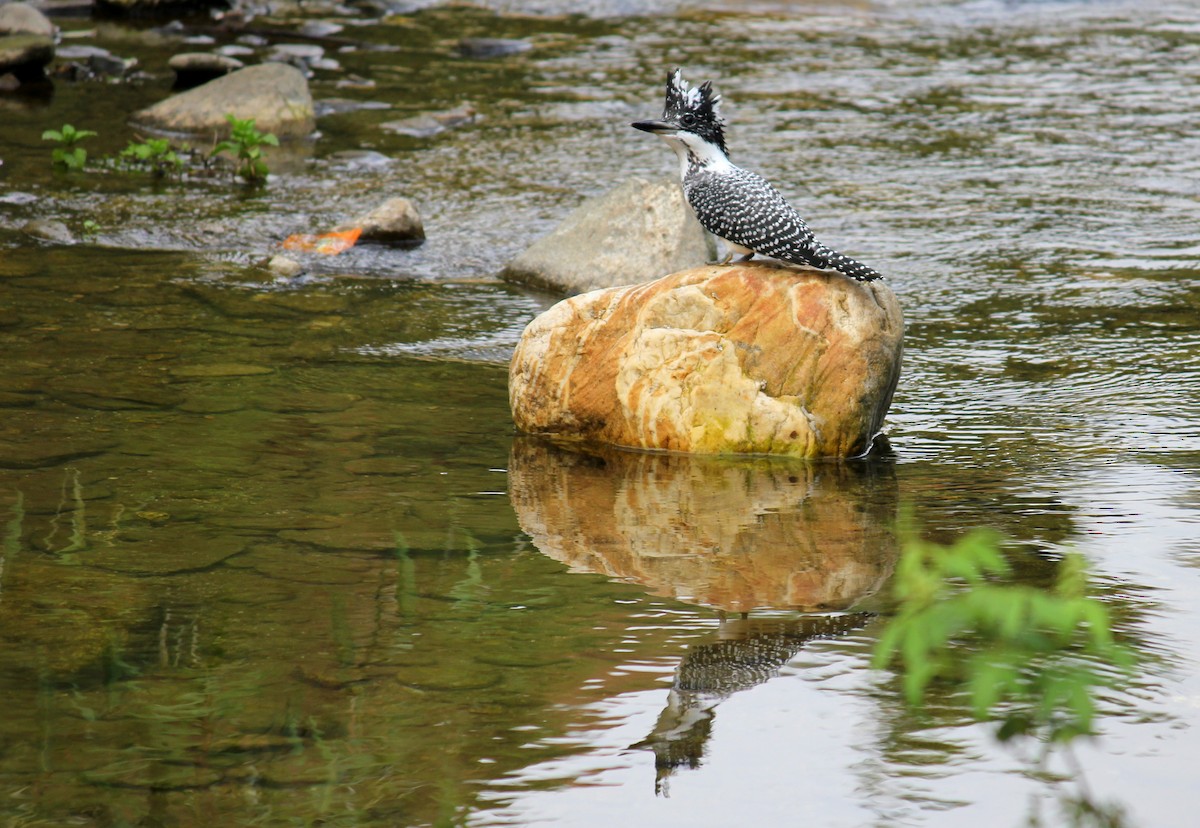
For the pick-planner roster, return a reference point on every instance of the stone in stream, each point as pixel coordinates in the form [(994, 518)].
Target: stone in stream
[(285, 267), (432, 123), (641, 229), (48, 230), (300, 55), (79, 62), (81, 51), (395, 222), (22, 18), (275, 95), (195, 68), (715, 360), (25, 56), (489, 47)]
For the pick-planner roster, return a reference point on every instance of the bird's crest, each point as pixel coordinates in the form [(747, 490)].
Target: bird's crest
[(701, 103)]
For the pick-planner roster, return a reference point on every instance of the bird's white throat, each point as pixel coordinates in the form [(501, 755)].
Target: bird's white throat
[(694, 150)]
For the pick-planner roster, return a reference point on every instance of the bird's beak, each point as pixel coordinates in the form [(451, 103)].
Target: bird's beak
[(657, 127)]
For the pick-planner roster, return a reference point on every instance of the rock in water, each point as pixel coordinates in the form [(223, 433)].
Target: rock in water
[(715, 360), (275, 95), (641, 227), (195, 68), (25, 56), (22, 18), (397, 221)]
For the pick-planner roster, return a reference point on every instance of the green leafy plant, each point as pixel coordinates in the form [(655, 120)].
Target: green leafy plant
[(67, 154), (154, 154), (246, 142), (1029, 658)]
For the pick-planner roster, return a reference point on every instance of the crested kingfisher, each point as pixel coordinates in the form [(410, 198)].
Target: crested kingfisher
[(735, 205)]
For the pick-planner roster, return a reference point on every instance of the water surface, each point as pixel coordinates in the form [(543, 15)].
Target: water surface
[(271, 553)]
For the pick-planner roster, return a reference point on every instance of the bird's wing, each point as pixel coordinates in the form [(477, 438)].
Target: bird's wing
[(745, 209)]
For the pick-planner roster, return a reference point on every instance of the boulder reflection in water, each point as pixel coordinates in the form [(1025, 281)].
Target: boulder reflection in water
[(732, 533)]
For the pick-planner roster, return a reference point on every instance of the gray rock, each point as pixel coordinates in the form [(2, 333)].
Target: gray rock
[(396, 222), (21, 18), (195, 68), (361, 159), (637, 232), (326, 64), (320, 28), (234, 50), (284, 267), (298, 51), (81, 51), (487, 47), (275, 95), (356, 82), (110, 65), (25, 55), (300, 55), (48, 230), (432, 123), (340, 106)]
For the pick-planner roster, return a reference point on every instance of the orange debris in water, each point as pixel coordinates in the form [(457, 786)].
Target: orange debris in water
[(329, 244)]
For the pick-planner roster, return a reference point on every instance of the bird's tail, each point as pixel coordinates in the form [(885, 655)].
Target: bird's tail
[(822, 257)]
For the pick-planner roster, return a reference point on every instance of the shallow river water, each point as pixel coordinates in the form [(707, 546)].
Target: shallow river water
[(272, 554)]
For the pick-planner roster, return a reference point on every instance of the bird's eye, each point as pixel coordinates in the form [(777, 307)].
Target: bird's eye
[(687, 118)]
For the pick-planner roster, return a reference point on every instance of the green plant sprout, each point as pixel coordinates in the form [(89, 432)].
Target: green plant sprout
[(246, 143), (154, 154), (67, 154), (1028, 657)]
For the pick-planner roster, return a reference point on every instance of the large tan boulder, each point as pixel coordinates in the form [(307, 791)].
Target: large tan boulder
[(734, 533), (276, 96), (719, 359)]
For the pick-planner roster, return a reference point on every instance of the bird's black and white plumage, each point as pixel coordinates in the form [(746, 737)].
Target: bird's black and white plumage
[(737, 206)]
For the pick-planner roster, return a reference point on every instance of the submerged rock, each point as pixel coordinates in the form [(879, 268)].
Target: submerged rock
[(300, 55), (110, 66), (285, 267), (25, 56), (432, 123), (396, 221), (48, 230), (640, 229), (488, 47), (195, 68), (715, 360), (275, 95)]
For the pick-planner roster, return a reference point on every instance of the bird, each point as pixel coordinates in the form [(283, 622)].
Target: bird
[(737, 206)]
